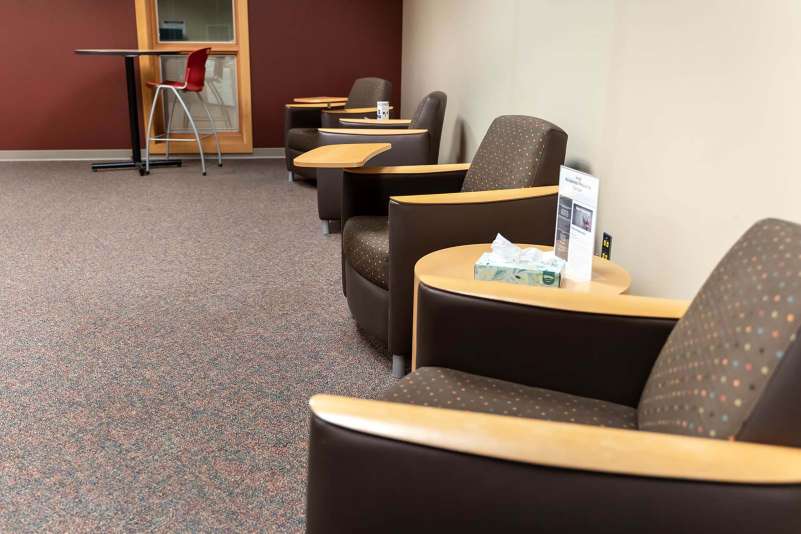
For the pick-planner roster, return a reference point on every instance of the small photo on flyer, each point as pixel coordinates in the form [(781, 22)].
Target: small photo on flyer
[(582, 218)]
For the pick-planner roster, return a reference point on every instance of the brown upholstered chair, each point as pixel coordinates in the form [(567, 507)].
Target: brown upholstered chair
[(573, 414), (361, 102), (510, 187), (415, 144)]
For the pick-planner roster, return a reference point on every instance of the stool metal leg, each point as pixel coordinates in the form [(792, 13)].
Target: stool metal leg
[(169, 124), (213, 128), (194, 129), (149, 128)]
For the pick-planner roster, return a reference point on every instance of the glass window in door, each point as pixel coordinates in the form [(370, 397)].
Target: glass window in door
[(197, 21)]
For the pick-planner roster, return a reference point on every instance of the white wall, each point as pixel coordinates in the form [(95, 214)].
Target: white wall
[(687, 110)]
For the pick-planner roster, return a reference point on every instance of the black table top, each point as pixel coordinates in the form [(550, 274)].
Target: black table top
[(124, 52)]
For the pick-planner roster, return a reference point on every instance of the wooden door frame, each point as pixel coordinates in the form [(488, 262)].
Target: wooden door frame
[(149, 69)]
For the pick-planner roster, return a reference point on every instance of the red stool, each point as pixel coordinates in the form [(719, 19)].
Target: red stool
[(194, 81)]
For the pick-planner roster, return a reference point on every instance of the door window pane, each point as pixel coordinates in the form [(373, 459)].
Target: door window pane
[(219, 94), (196, 20)]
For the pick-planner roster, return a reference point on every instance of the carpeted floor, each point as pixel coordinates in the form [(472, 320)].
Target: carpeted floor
[(159, 339)]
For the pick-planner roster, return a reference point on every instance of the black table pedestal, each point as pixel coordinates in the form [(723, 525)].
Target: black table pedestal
[(133, 117)]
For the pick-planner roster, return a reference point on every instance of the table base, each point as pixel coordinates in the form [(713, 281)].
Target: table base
[(138, 165)]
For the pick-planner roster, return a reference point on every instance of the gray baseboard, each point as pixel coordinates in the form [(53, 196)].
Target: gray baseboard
[(114, 154)]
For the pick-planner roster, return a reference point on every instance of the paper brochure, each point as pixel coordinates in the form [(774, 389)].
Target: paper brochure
[(576, 213)]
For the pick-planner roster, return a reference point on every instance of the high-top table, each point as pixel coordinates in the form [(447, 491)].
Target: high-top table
[(133, 109)]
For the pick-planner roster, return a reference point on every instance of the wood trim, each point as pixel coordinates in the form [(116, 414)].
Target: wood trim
[(565, 445), (377, 122), (414, 169), (355, 110), (478, 197), (340, 156), (243, 75), (372, 131), (147, 28)]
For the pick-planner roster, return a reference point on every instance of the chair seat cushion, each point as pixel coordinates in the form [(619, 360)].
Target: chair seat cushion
[(447, 388), (365, 243), (303, 139), (169, 83)]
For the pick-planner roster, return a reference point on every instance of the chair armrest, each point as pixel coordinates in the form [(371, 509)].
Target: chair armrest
[(566, 445), (595, 346), (366, 190), (493, 471), (421, 224), (360, 122), (373, 131), (479, 197), (414, 169), (330, 117)]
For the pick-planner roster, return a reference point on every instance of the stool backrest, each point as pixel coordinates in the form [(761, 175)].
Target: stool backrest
[(195, 74)]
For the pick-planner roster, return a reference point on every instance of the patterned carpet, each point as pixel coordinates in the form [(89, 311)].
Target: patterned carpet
[(159, 339)]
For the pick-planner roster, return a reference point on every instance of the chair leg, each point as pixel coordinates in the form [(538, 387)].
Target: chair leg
[(221, 103), (398, 366), (169, 126), (149, 128), (213, 128), (194, 129), (291, 177)]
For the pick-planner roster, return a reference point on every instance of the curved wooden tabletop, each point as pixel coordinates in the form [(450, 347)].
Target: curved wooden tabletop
[(320, 99), (451, 269), (318, 105), (340, 156)]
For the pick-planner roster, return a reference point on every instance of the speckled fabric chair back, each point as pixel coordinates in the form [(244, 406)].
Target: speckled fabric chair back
[(731, 368), (517, 151), (429, 115), (367, 91)]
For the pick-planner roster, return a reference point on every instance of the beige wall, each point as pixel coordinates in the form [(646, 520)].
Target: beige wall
[(687, 110)]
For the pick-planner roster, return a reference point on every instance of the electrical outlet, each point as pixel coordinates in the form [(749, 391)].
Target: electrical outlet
[(606, 246)]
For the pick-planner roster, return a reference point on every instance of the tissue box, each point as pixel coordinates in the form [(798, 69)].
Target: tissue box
[(490, 268)]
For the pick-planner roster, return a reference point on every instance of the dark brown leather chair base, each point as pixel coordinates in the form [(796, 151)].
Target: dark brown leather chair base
[(368, 304)]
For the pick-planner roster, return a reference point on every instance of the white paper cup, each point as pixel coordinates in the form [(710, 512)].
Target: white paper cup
[(382, 110)]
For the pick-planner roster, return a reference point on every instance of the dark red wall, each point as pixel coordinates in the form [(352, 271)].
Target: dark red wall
[(308, 47), (53, 99)]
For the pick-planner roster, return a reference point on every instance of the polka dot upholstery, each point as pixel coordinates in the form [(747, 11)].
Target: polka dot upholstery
[(738, 334), (365, 242), (448, 388), (515, 153)]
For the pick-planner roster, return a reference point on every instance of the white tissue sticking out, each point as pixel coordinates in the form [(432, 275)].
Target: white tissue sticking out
[(505, 250)]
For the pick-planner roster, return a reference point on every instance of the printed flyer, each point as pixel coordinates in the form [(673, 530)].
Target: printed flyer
[(576, 213)]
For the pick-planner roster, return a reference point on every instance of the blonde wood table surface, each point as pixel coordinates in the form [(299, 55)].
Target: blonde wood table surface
[(451, 269), (320, 99), (340, 156), (317, 105)]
